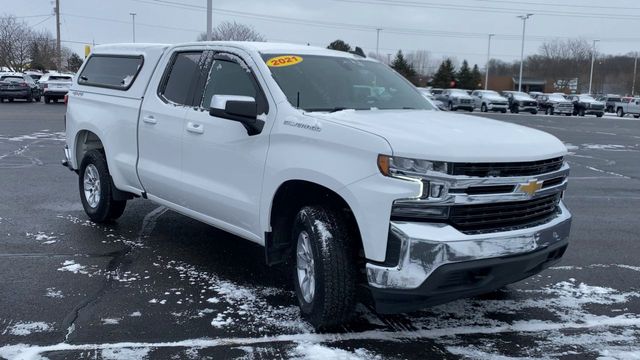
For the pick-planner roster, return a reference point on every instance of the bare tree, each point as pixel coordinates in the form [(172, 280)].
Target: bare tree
[(233, 31), (422, 61), (15, 42)]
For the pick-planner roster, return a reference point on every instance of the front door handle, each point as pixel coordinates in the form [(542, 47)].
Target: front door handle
[(195, 128), (149, 119)]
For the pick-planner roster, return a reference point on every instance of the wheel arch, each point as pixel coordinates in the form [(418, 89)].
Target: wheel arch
[(287, 200)]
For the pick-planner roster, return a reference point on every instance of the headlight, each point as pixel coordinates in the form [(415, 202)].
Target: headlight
[(405, 167), (416, 170)]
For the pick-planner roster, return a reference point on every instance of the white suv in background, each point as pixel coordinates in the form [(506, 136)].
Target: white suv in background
[(55, 86), (489, 100)]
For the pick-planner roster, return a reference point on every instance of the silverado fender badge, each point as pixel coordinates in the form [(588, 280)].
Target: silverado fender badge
[(531, 188)]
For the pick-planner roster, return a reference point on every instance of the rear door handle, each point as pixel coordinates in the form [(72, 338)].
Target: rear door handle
[(150, 119), (195, 128)]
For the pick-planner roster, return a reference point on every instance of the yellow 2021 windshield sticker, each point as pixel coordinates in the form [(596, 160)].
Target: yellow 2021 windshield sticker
[(285, 60)]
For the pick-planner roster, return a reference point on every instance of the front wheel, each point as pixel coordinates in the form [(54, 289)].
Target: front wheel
[(325, 267), (95, 189), (483, 108), (549, 111), (581, 112), (620, 112)]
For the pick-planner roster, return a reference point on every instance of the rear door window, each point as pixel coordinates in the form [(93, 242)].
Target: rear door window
[(110, 71), (178, 83)]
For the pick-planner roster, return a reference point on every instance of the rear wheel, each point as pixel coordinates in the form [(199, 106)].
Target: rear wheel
[(483, 108), (620, 112), (581, 112), (325, 267), (96, 189), (47, 100), (599, 115)]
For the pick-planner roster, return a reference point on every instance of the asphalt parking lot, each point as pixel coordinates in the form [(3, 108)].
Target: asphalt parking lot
[(159, 285)]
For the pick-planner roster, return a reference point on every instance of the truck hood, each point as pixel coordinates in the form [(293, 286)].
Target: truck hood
[(494, 98), (445, 136)]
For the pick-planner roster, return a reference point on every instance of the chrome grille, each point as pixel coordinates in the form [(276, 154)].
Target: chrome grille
[(506, 169), (486, 218)]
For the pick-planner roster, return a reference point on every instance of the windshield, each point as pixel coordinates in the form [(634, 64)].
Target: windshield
[(489, 92), (586, 98), (458, 92), (331, 83), (557, 98)]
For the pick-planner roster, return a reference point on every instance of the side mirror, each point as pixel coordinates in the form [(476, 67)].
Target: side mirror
[(242, 109)]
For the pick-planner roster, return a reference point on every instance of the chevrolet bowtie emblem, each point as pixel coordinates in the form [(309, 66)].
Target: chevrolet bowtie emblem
[(531, 188)]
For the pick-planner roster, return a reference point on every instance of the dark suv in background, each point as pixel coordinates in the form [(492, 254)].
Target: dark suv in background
[(18, 86), (586, 105)]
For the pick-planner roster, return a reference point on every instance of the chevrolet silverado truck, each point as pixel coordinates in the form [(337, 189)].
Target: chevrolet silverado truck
[(521, 102), (586, 105), (629, 106), (333, 162), (456, 99), (489, 100), (552, 104)]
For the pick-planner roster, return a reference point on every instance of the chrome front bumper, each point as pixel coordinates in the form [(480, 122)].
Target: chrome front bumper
[(427, 246)]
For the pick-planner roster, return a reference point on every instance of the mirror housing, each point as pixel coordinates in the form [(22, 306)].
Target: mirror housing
[(242, 109)]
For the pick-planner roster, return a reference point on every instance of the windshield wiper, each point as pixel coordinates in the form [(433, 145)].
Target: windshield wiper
[(330, 110)]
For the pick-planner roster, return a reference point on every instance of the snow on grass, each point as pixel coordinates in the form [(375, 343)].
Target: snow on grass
[(73, 267), (28, 328)]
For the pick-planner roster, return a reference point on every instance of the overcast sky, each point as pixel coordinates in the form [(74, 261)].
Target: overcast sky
[(455, 28)]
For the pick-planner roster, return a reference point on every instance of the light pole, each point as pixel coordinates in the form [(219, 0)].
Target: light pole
[(209, 19), (524, 28), (378, 43), (486, 80), (133, 22), (635, 73), (593, 60)]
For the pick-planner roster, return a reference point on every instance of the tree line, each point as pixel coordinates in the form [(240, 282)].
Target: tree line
[(22, 48)]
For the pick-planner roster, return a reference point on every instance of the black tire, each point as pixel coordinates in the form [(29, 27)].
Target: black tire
[(107, 209), (10, 100), (470, 109), (581, 112), (549, 111), (483, 108), (600, 114), (334, 266), (620, 112), (534, 112), (568, 114), (451, 107), (504, 111), (47, 100), (636, 116)]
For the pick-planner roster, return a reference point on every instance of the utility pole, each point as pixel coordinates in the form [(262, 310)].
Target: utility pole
[(593, 60), (209, 19), (486, 80), (58, 49), (133, 23), (635, 73), (524, 28), (378, 43)]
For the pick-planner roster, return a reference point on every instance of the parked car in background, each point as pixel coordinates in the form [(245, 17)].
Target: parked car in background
[(432, 99), (610, 102), (455, 99), (436, 91), (552, 104), (489, 100), (18, 86), (35, 75), (628, 106), (586, 105), (55, 86), (521, 102), (535, 94)]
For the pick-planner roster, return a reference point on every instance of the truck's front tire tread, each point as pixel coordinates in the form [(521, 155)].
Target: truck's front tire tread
[(335, 267), (107, 209)]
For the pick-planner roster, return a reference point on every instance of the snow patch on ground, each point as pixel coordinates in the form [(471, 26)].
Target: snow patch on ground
[(311, 351), (73, 267), (28, 328), (46, 239), (53, 293), (110, 321), (125, 354), (135, 314), (39, 135)]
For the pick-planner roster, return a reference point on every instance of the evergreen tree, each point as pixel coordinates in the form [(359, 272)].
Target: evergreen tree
[(444, 76), (402, 66), (339, 45), (465, 77), (74, 62), (477, 78)]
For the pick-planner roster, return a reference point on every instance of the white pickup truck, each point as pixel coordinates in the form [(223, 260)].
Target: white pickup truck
[(628, 106), (332, 161)]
